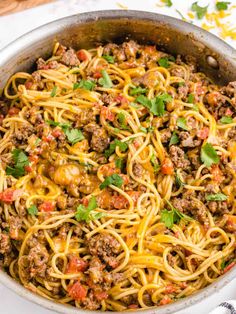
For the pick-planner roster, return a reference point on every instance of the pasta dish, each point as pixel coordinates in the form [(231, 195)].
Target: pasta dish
[(117, 177)]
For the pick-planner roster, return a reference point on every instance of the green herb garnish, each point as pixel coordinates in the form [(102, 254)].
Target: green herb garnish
[(222, 5), (137, 90), (190, 98), (122, 146), (84, 84), (105, 80), (182, 123), (226, 120), (20, 160), (54, 91), (174, 139), (109, 59), (155, 105), (200, 11), (209, 155), (86, 213), (216, 197), (114, 179), (32, 210)]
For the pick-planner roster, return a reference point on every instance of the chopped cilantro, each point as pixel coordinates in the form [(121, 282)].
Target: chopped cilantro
[(114, 179), (105, 80), (209, 155)]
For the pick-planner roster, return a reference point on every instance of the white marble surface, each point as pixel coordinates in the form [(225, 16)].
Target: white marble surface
[(12, 26)]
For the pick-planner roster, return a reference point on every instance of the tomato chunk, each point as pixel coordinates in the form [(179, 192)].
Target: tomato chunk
[(46, 206), (101, 295), (77, 291), (76, 264), (107, 114), (9, 195), (230, 266), (165, 300), (203, 133), (82, 55), (167, 166)]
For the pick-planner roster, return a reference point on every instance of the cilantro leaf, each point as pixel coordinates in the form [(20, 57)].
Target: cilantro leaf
[(20, 160), (172, 216), (119, 163), (109, 59), (164, 62), (222, 5), (226, 120), (84, 84), (105, 80), (178, 181), (182, 123), (155, 164), (32, 210), (190, 98), (195, 107), (155, 105), (209, 155), (86, 213), (137, 90), (174, 139), (73, 135), (200, 11), (168, 3), (122, 121), (122, 146), (114, 179), (54, 91), (216, 197)]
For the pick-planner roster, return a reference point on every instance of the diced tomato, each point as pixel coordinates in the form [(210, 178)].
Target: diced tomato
[(136, 144), (56, 133), (177, 234), (82, 55), (34, 158), (107, 114), (101, 295), (228, 112), (217, 174), (47, 138), (28, 168), (28, 84), (183, 285), (97, 75), (9, 195), (213, 98), (203, 133), (165, 300), (120, 202), (167, 166), (77, 291), (200, 90), (46, 206), (121, 99), (227, 268), (170, 289), (85, 201), (13, 111), (76, 264), (133, 306)]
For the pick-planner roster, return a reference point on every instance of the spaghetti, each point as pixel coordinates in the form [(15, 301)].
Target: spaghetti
[(117, 177)]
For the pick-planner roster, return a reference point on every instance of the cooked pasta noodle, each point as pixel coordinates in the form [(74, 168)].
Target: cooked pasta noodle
[(117, 177)]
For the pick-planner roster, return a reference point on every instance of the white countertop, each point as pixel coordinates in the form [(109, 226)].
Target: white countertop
[(12, 26)]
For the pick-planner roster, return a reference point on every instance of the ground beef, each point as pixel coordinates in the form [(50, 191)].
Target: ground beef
[(100, 139), (230, 89), (130, 48), (5, 243), (217, 207), (176, 71), (165, 135), (115, 50), (105, 247), (70, 58), (23, 134), (37, 257), (187, 140), (191, 207), (95, 270), (183, 91), (43, 65), (137, 169), (86, 116), (15, 224), (178, 158), (232, 134)]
